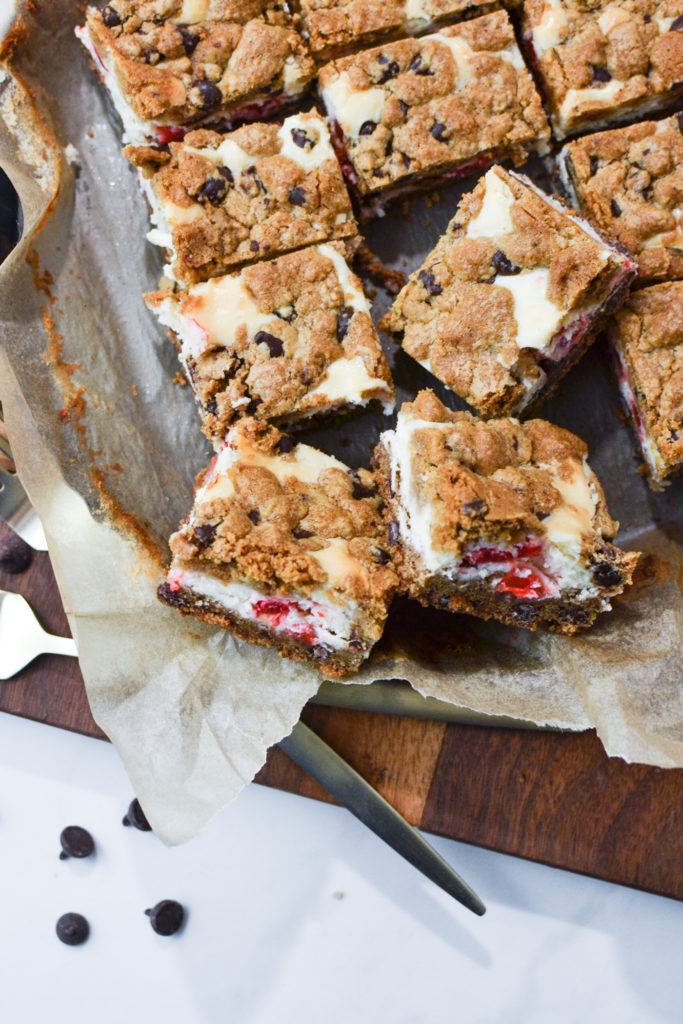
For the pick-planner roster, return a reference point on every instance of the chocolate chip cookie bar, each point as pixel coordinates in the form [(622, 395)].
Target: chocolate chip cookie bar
[(629, 182), (606, 62), (498, 519), (420, 111), (510, 297), (285, 547), (336, 27), (647, 340), (169, 64), (288, 340), (221, 201)]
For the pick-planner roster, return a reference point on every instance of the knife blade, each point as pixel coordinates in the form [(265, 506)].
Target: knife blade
[(344, 783)]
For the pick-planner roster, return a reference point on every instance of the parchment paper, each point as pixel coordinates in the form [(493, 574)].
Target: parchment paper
[(108, 446)]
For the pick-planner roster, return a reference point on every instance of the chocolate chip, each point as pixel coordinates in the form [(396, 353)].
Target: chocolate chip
[(525, 612), (440, 132), (417, 67), (647, 18), (356, 645), (72, 929), (254, 246), (382, 556), (205, 533), (300, 534), (166, 917), (301, 139), (15, 553), (601, 75), (210, 93), (285, 444), (343, 321), (472, 508), (443, 602), (135, 816), (253, 406), (577, 615), (428, 280), (297, 196), (227, 174), (367, 128), (190, 40), (254, 515), (275, 346), (287, 317), (594, 163), (359, 490), (404, 107), (213, 190), (392, 533), (76, 842), (110, 17), (607, 575), (615, 208), (673, 434), (503, 266), (679, 117), (390, 71), (152, 57), (678, 23), (321, 652), (212, 407)]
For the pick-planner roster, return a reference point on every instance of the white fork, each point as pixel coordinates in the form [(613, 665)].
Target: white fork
[(22, 638)]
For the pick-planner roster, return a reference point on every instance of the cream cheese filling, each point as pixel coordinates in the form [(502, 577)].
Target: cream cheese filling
[(352, 107), (548, 31), (651, 453), (329, 623)]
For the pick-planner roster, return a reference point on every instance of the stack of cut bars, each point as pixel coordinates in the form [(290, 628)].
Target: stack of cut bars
[(287, 546)]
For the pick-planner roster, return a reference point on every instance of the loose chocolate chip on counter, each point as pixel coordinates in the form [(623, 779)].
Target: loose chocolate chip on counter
[(615, 208), (285, 444), (503, 266), (301, 139), (254, 516), (472, 508), (392, 532), (297, 196), (275, 346), (594, 163), (166, 917), (601, 75), (72, 929), (426, 277), (343, 321), (190, 40), (205, 533), (15, 553), (110, 17), (367, 128), (76, 842), (390, 71), (210, 93), (300, 534), (135, 816), (440, 132), (213, 190), (607, 575), (678, 23)]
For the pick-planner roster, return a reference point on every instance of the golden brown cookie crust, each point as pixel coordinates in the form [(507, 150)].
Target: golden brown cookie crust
[(451, 316), (602, 62), (436, 111), (629, 181)]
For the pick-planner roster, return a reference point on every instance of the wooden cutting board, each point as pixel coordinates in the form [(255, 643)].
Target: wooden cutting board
[(549, 797)]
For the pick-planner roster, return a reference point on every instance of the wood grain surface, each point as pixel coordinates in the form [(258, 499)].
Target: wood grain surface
[(549, 797)]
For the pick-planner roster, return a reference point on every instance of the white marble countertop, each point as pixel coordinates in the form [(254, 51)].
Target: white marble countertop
[(296, 913)]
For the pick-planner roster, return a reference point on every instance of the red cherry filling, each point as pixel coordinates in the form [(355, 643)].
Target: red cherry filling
[(165, 133), (529, 548), (524, 581), (562, 342), (276, 609)]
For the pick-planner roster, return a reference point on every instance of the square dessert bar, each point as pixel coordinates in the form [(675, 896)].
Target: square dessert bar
[(285, 547), (629, 182), (286, 340), (498, 519), (605, 62), (336, 27), (647, 340), (168, 64), (422, 110), (221, 201), (511, 296)]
